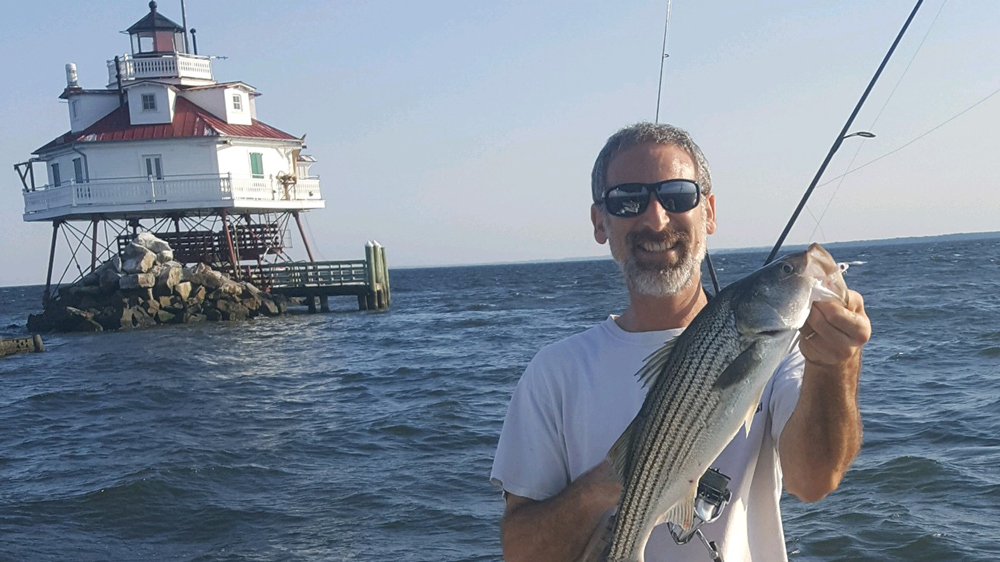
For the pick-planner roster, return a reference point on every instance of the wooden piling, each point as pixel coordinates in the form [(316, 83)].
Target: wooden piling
[(21, 345), (371, 302), (383, 269)]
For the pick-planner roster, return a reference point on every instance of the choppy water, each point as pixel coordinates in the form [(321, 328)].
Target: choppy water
[(369, 436)]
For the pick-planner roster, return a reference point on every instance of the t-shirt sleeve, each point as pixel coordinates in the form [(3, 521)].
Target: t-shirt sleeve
[(785, 392), (531, 456)]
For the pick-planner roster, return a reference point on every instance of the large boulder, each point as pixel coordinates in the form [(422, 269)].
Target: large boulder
[(144, 287), (168, 278), (207, 277), (165, 256), (232, 310), (139, 260), (150, 242), (183, 290), (137, 281), (110, 279)]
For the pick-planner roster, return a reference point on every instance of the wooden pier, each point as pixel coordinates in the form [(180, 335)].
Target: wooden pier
[(366, 279)]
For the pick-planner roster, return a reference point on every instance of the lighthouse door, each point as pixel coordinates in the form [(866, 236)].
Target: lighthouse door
[(154, 168)]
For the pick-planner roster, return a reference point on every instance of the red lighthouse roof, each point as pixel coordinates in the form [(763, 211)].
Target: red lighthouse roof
[(189, 121)]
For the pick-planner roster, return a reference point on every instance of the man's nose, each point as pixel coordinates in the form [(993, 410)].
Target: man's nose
[(655, 216)]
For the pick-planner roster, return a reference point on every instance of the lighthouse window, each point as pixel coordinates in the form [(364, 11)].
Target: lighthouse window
[(257, 165), (148, 102), (56, 181), (237, 102)]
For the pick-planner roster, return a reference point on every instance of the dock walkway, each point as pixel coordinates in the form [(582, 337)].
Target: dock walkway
[(367, 279)]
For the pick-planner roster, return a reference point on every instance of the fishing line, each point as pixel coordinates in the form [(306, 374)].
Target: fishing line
[(963, 112), (841, 136), (872, 126)]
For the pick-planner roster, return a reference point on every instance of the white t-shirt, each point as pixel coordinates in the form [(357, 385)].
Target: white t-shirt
[(578, 395)]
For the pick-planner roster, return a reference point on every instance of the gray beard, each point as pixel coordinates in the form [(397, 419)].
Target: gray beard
[(656, 281), (662, 282)]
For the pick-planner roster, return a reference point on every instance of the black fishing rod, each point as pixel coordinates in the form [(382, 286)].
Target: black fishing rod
[(843, 135)]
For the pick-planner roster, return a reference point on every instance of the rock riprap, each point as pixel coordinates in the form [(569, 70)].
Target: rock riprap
[(144, 287)]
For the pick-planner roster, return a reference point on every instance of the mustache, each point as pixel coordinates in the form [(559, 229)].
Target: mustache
[(663, 237)]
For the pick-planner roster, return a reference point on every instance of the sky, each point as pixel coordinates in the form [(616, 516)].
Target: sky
[(464, 132)]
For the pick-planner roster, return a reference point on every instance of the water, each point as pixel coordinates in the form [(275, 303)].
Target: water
[(370, 436)]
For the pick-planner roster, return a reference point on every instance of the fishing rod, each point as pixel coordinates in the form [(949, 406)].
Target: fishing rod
[(663, 58), (659, 91), (843, 135)]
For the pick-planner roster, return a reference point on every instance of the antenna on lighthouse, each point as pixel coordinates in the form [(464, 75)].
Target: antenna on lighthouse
[(184, 24)]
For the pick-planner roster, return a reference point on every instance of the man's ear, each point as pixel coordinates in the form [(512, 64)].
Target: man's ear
[(597, 217), (710, 214)]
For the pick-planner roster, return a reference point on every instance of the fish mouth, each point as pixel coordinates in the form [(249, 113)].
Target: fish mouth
[(828, 281)]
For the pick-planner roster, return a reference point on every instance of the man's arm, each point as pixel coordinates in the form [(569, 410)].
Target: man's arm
[(558, 529), (823, 435)]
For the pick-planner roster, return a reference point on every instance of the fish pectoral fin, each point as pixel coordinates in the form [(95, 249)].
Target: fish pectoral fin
[(655, 363), (682, 514), (619, 452), (753, 411), (749, 419), (741, 366)]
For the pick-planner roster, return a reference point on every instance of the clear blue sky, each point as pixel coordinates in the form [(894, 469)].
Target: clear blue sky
[(464, 131)]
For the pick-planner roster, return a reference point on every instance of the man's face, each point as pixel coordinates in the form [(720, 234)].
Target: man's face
[(659, 252)]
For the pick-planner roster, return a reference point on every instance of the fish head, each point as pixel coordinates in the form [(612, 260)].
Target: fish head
[(778, 297)]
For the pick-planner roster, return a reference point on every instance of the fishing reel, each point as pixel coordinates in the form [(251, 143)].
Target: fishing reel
[(712, 498)]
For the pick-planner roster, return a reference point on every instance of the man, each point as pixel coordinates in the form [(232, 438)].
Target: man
[(578, 395)]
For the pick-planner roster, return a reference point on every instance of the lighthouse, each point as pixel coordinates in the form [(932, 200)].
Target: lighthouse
[(164, 147)]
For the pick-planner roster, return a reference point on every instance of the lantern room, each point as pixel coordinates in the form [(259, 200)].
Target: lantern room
[(156, 34)]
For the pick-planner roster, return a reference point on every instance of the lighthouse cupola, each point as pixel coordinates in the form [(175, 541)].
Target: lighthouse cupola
[(159, 52)]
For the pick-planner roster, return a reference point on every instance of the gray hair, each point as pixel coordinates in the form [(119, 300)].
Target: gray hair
[(640, 133)]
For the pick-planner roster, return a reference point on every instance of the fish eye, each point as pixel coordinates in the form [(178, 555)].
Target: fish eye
[(787, 268)]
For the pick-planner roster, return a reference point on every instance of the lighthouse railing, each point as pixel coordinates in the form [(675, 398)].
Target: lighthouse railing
[(195, 189), (172, 65)]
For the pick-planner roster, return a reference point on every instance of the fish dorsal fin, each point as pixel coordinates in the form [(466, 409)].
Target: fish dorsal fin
[(738, 369), (655, 363), (619, 452), (682, 513)]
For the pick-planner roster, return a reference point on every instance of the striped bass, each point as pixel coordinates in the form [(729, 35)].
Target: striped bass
[(704, 386)]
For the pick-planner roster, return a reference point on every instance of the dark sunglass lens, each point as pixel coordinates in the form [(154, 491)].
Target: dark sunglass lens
[(678, 196), (627, 200)]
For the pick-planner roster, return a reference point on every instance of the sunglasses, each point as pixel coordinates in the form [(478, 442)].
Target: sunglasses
[(631, 199)]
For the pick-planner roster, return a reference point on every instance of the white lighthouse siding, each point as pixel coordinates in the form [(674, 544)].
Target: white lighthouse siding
[(199, 174), (235, 158), (237, 115), (219, 102), (121, 160), (87, 107), (164, 97)]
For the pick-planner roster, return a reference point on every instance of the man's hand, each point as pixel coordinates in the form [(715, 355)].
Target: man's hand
[(559, 528), (823, 435), (834, 334)]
